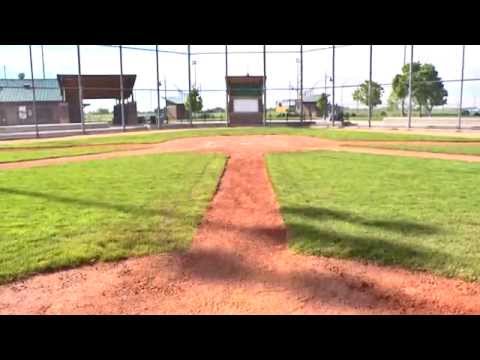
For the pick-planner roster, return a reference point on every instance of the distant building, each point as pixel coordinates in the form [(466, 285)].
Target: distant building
[(245, 100), (100, 87), (57, 100), (176, 109), (310, 108), (16, 98)]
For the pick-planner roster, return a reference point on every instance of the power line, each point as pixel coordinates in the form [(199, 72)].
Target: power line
[(238, 52), (177, 90)]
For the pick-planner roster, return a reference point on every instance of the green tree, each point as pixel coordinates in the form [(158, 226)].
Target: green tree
[(103, 111), (361, 94), (194, 101), (21, 76), (322, 105), (429, 91), (393, 102), (427, 87)]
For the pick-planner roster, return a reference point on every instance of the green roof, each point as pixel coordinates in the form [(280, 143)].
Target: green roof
[(246, 90), (16, 90)]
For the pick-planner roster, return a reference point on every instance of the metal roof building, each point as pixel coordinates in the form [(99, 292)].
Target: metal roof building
[(16, 90)]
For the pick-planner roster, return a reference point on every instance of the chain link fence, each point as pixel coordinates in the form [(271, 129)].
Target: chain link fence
[(358, 82)]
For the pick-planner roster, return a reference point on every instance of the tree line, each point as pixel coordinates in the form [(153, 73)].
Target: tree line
[(427, 91)]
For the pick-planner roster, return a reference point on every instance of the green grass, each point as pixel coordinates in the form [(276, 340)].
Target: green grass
[(96, 117), (417, 213), (465, 149), (22, 150), (160, 136), (7, 156), (63, 216)]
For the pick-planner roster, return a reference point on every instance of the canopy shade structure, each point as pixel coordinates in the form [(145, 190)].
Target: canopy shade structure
[(245, 85), (97, 86), (93, 87), (244, 99)]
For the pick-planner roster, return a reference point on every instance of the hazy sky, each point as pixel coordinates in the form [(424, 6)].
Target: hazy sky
[(351, 68)]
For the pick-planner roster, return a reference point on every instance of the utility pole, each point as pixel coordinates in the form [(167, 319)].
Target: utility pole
[(264, 85), (325, 87), (34, 102), (189, 86), (461, 91), (333, 84), (298, 78), (325, 112), (370, 92), (404, 62), (43, 63), (80, 90), (410, 89), (5, 72), (122, 107), (226, 85), (194, 63), (158, 88), (301, 84), (166, 105)]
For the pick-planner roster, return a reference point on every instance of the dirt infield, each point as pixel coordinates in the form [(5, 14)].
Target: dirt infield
[(239, 262), (252, 143)]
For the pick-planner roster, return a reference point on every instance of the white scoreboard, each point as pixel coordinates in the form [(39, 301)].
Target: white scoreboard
[(245, 105)]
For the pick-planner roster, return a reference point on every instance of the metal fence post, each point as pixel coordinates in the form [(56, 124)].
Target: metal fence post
[(43, 62), (80, 90), (410, 89), (34, 102), (264, 85), (301, 85), (370, 91), (189, 86), (461, 90), (166, 103), (121, 90), (158, 88), (333, 84), (226, 86)]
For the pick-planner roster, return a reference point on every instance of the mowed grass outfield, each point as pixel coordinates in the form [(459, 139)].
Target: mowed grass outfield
[(7, 156), (63, 216), (22, 150), (464, 149), (417, 213)]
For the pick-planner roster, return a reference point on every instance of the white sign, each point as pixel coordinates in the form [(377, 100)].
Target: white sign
[(22, 112), (245, 105)]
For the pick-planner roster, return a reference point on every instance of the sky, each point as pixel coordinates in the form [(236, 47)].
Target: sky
[(351, 68)]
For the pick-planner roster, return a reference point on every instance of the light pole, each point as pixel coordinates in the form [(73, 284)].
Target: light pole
[(43, 63), (298, 77), (461, 91), (34, 102), (194, 63), (325, 89), (410, 89), (341, 95)]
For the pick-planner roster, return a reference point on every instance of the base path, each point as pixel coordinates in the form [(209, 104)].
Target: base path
[(239, 263)]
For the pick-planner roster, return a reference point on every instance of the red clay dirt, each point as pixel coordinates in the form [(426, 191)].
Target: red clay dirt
[(239, 262), (225, 143)]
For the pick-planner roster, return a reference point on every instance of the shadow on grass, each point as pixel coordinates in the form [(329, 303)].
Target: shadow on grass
[(129, 209), (319, 240), (400, 226)]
